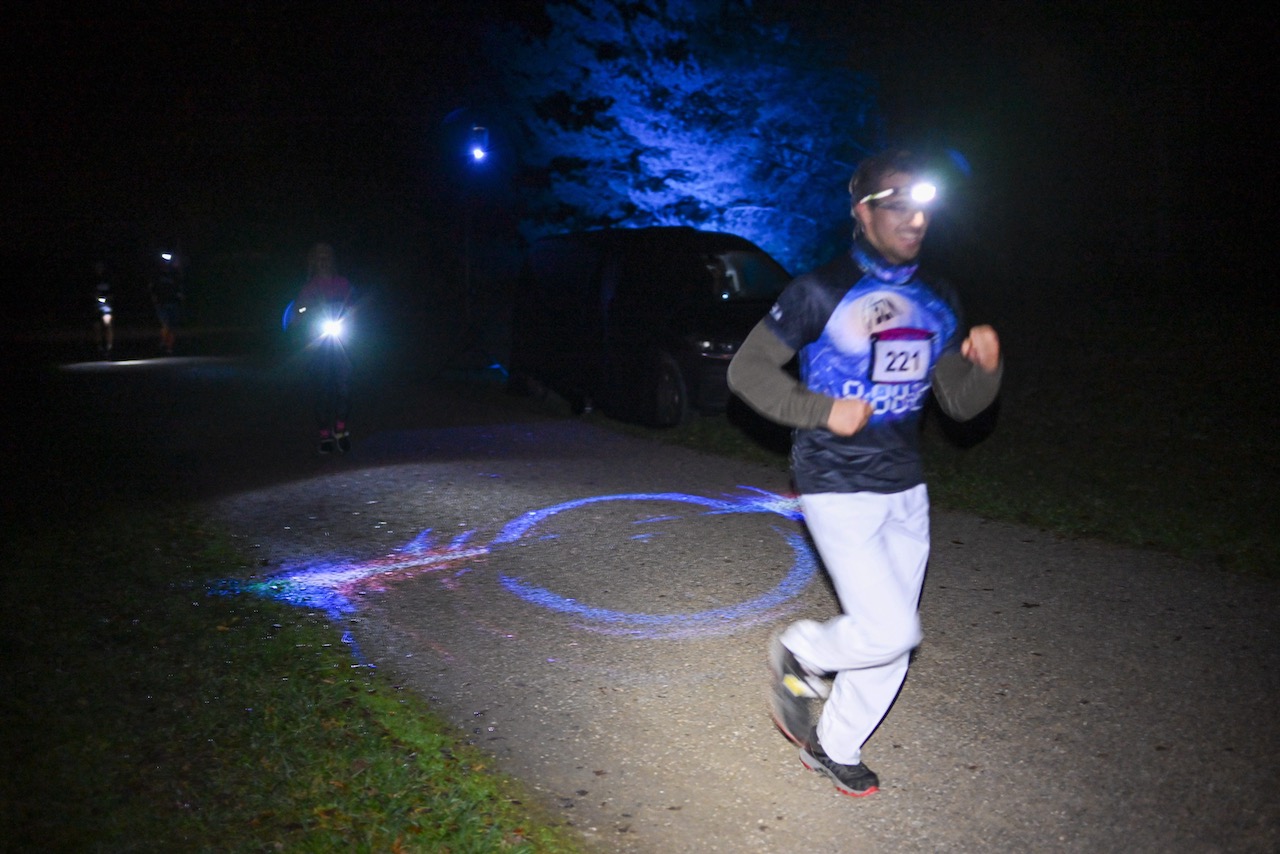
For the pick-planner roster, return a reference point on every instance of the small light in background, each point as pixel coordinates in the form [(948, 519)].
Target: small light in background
[(478, 144)]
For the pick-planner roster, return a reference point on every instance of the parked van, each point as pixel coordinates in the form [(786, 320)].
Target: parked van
[(639, 322)]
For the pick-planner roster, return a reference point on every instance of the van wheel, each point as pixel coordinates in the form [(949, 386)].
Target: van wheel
[(670, 396)]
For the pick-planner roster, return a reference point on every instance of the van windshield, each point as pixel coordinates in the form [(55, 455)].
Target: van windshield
[(738, 274)]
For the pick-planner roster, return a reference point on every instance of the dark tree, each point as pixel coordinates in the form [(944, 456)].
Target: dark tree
[(685, 112)]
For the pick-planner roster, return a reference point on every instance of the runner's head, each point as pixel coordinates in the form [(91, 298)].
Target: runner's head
[(320, 261), (891, 205)]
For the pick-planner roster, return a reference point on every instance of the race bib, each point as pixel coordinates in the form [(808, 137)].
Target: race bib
[(900, 355)]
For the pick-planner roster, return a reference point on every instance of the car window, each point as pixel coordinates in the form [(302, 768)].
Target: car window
[(738, 274)]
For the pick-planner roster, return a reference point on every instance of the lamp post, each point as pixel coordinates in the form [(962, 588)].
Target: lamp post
[(479, 143), (477, 152)]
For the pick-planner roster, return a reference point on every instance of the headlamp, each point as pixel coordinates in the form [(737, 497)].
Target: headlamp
[(332, 328), (920, 193)]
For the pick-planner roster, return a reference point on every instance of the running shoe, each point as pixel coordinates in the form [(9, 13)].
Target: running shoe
[(793, 693), (856, 781), (794, 676)]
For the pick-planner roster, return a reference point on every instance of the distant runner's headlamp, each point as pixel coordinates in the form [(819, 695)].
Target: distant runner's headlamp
[(920, 193)]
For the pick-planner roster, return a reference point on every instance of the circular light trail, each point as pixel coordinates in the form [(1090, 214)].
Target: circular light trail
[(334, 586)]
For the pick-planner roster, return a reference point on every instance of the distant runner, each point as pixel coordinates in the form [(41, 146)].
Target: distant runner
[(102, 328), (323, 305), (167, 295)]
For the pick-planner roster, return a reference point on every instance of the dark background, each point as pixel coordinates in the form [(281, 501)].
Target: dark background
[(1103, 138)]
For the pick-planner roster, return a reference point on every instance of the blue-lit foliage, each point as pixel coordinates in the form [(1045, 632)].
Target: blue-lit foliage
[(686, 112)]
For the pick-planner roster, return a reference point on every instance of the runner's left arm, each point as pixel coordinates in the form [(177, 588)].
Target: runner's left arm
[(966, 381)]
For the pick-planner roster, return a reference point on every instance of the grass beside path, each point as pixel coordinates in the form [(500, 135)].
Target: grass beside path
[(143, 714)]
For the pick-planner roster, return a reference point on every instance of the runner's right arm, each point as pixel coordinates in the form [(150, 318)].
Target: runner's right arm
[(757, 375)]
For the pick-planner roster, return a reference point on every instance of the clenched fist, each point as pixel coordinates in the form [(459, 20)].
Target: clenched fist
[(982, 347), (848, 416)]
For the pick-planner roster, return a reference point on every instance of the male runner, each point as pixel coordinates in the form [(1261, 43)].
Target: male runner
[(875, 337)]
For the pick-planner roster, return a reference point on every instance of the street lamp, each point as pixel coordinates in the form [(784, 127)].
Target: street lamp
[(477, 160), (478, 149), (478, 143)]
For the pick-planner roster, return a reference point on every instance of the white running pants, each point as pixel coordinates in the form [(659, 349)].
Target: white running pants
[(875, 548)]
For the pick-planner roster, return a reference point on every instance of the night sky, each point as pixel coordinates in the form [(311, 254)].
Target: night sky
[(242, 125)]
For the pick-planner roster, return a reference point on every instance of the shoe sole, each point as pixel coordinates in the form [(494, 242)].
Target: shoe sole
[(814, 765), (791, 714), (795, 684)]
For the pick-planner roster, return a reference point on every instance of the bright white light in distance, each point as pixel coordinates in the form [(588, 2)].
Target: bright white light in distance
[(331, 328)]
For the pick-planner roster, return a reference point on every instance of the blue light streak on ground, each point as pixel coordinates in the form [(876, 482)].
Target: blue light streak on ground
[(333, 586), (714, 621), (768, 502)]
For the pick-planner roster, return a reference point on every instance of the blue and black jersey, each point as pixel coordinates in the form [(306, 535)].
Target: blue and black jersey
[(865, 328)]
